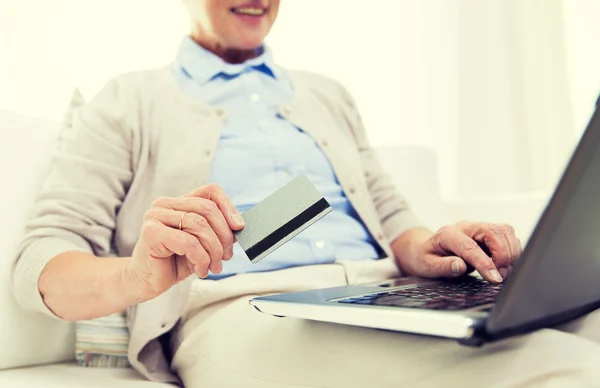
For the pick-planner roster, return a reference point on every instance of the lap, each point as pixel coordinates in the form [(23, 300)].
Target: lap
[(587, 327), (229, 344)]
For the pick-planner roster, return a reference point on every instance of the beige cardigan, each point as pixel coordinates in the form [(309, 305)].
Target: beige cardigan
[(140, 138)]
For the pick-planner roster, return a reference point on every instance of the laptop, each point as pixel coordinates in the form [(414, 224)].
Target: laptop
[(556, 279)]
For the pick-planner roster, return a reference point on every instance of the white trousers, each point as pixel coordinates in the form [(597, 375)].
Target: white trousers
[(225, 342)]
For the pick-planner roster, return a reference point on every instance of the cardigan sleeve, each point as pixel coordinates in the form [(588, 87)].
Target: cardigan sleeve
[(86, 184)]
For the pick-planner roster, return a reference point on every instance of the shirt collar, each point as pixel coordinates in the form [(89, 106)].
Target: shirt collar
[(203, 66)]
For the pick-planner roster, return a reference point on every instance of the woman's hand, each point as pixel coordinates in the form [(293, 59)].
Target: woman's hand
[(454, 250), (182, 236)]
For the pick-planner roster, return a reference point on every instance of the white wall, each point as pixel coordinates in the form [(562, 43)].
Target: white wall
[(515, 118), (582, 33), (55, 46)]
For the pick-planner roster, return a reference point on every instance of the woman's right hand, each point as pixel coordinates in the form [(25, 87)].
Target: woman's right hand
[(165, 255)]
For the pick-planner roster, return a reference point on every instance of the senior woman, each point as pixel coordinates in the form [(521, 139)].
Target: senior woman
[(149, 181)]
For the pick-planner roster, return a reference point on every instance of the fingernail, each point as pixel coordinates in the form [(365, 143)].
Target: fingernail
[(218, 268), (503, 272), (455, 267), (237, 219), (201, 272), (495, 275)]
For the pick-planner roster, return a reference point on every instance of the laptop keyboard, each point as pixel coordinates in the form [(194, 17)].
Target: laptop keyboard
[(452, 295)]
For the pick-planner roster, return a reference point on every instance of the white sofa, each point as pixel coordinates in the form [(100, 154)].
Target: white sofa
[(36, 351)]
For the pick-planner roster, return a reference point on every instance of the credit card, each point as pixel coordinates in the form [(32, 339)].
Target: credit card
[(280, 217)]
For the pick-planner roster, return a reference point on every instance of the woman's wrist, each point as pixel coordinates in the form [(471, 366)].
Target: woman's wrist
[(408, 247)]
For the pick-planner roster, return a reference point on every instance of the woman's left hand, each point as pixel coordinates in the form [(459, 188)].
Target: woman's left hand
[(454, 250)]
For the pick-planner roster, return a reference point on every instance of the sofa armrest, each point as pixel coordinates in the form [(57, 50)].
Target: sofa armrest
[(27, 338)]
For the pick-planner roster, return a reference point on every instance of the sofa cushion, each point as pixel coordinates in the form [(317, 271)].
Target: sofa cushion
[(25, 158), (27, 338), (414, 171), (74, 376)]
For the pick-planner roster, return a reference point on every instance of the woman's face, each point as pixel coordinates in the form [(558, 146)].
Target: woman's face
[(232, 24)]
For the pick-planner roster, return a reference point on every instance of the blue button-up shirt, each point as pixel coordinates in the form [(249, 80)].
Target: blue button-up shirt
[(259, 151)]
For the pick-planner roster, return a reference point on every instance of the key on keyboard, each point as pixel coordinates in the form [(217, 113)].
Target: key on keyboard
[(452, 295)]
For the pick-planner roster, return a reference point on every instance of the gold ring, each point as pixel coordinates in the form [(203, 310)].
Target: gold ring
[(181, 220)]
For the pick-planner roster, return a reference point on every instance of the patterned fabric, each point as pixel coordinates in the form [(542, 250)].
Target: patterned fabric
[(102, 342)]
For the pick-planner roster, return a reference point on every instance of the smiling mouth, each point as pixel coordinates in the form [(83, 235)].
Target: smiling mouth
[(249, 11)]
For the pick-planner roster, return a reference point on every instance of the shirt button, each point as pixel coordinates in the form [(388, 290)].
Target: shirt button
[(324, 143), (320, 244), (208, 152), (221, 112), (352, 190), (255, 97), (380, 236)]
